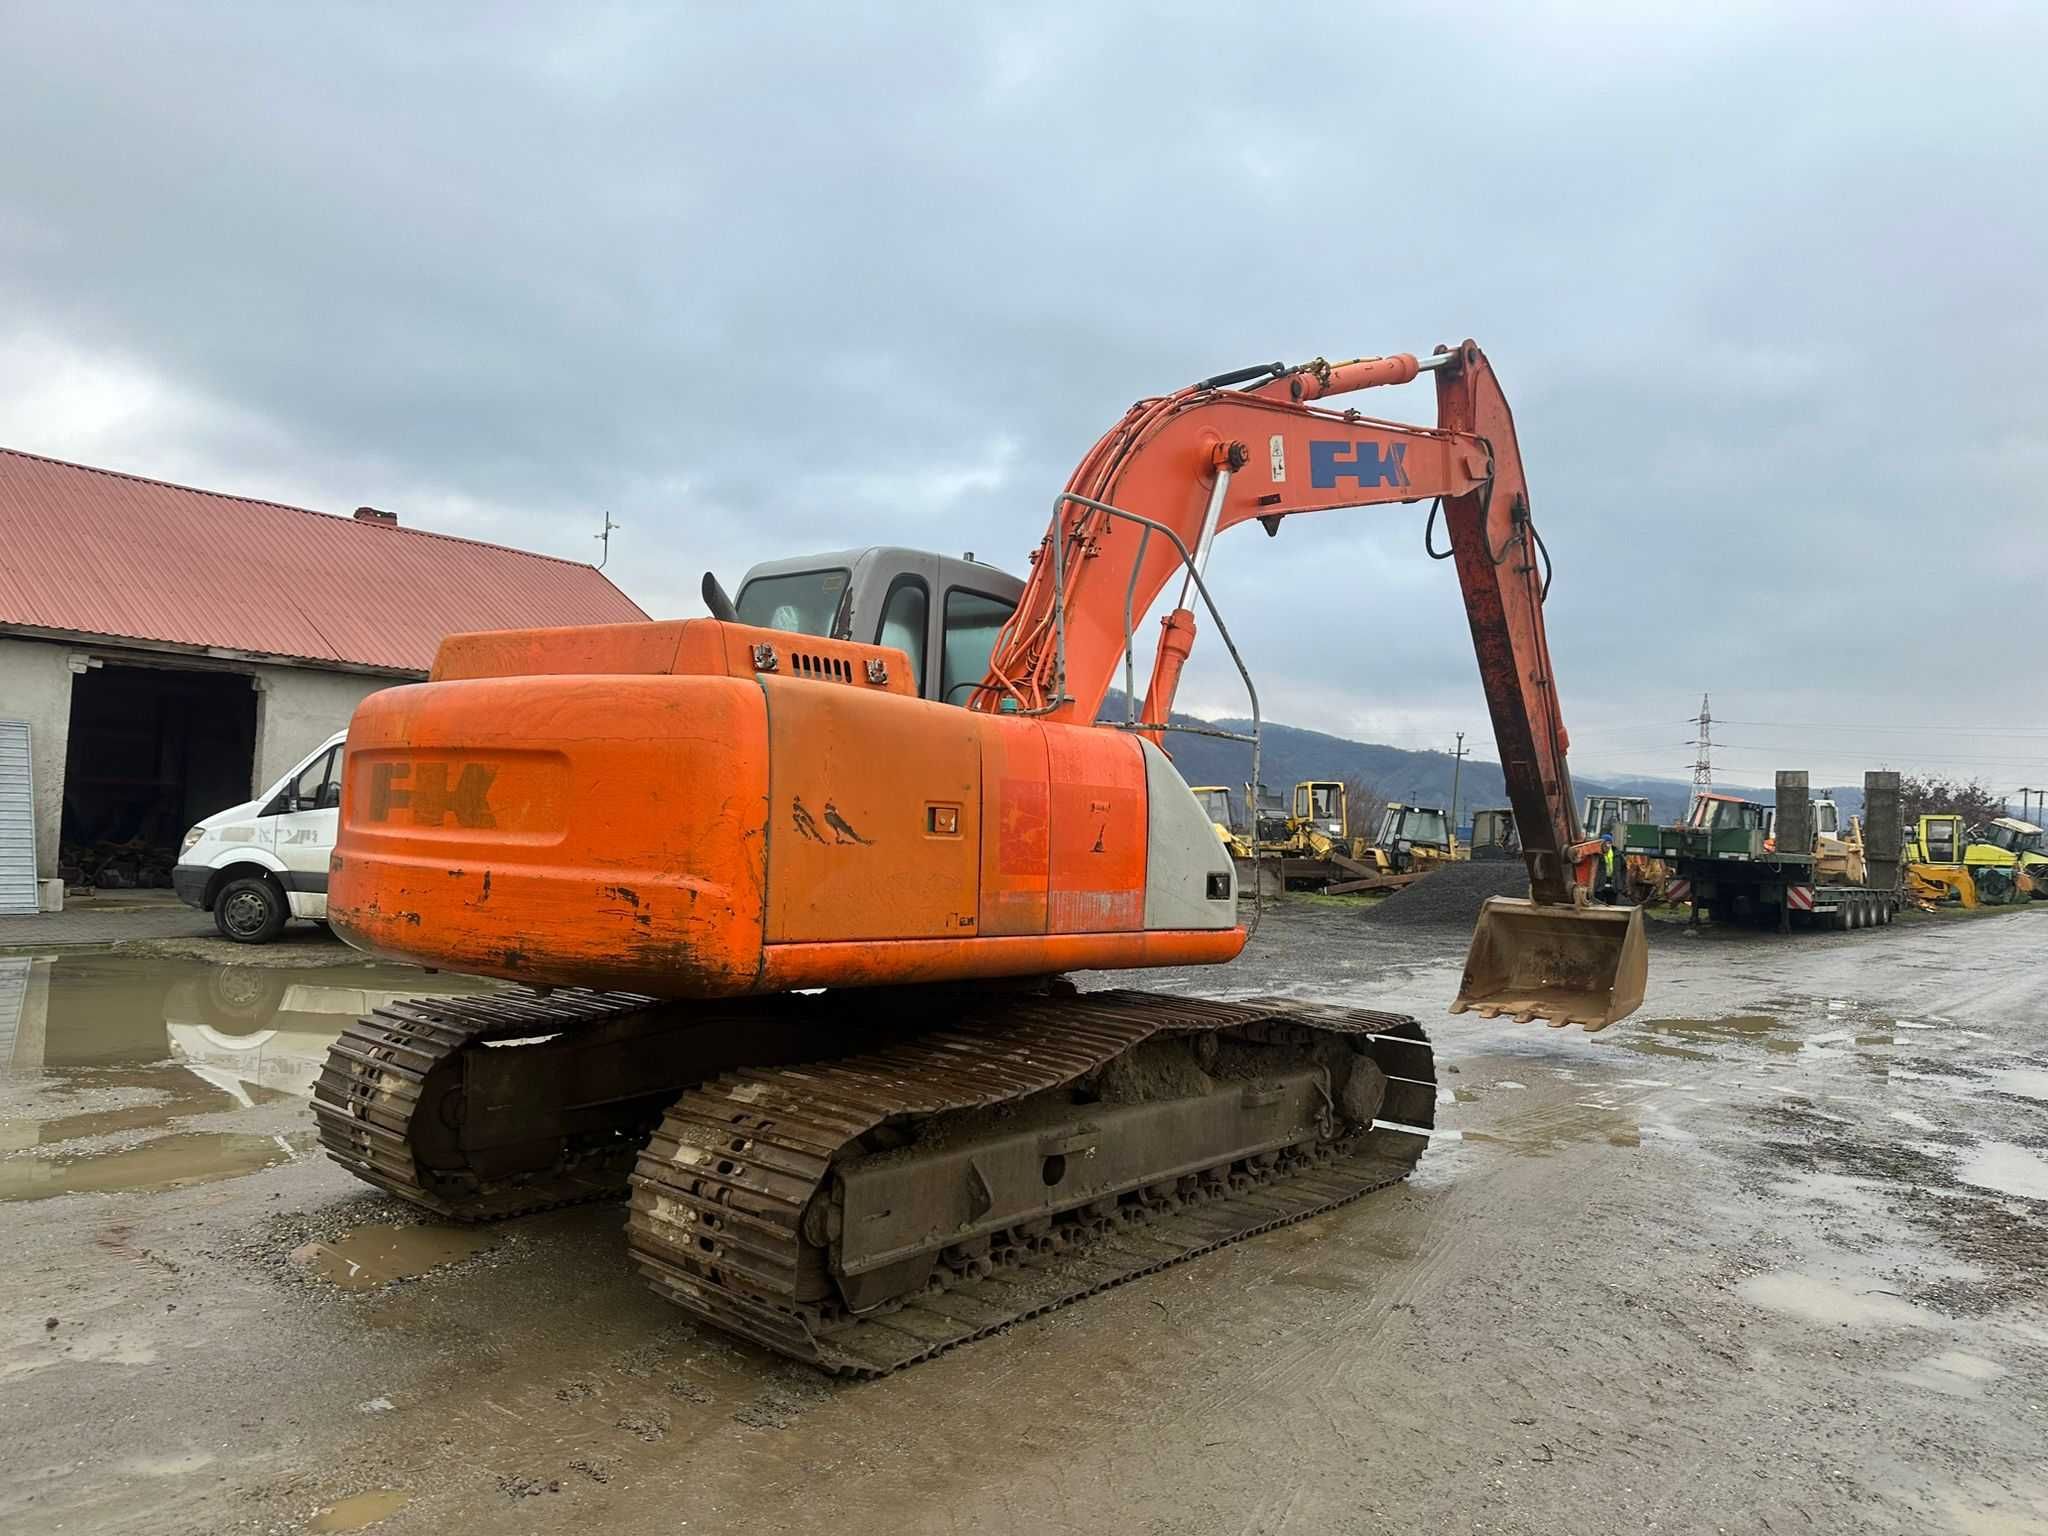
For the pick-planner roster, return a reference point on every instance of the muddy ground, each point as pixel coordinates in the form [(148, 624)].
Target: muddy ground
[(1770, 1256)]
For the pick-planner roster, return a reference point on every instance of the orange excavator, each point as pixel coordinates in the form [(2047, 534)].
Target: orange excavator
[(792, 896)]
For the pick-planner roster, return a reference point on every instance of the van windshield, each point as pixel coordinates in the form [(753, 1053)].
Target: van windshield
[(801, 603)]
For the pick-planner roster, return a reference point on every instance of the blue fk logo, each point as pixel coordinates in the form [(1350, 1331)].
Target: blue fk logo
[(1366, 462)]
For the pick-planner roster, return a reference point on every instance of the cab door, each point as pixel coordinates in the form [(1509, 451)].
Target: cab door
[(977, 602), (894, 605), (303, 827)]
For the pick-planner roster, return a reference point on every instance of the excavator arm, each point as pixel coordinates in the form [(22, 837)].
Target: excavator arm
[(1209, 458), (1254, 446)]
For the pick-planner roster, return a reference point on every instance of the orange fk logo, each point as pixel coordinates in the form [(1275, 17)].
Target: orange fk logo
[(424, 789)]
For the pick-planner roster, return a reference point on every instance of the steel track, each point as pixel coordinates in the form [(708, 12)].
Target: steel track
[(719, 1190), (716, 1221)]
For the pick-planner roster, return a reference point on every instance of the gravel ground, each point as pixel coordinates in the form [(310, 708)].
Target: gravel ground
[(1770, 1256), (1450, 896)]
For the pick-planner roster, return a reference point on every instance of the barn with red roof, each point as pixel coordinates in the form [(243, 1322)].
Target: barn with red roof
[(166, 652)]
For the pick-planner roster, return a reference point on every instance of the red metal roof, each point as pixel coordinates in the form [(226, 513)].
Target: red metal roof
[(103, 553)]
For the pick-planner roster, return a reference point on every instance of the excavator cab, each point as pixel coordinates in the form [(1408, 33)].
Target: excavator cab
[(943, 614)]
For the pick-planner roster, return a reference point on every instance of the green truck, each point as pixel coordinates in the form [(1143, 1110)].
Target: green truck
[(1743, 861)]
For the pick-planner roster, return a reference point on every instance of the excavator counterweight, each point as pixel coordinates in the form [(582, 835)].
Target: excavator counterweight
[(793, 893)]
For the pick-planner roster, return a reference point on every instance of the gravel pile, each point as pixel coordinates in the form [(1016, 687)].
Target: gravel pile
[(1451, 896)]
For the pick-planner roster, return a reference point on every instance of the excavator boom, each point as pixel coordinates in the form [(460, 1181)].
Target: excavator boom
[(1207, 458)]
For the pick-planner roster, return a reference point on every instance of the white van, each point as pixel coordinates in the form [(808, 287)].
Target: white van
[(257, 865)]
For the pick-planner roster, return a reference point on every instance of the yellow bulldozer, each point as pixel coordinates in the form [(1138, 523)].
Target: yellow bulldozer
[(1410, 839), (1319, 850)]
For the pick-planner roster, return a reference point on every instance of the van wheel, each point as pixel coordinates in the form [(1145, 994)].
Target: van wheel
[(250, 910)]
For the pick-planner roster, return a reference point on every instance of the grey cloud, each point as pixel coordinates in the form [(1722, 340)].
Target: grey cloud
[(1764, 288)]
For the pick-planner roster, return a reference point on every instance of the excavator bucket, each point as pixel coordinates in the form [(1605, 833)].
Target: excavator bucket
[(1565, 965)]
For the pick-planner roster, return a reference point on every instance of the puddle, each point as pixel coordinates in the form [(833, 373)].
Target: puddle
[(1953, 1373), (1820, 1301), (365, 1509), (2007, 1169), (1694, 1039), (104, 1045), (1687, 1038), (168, 1093), (2027, 1082), (376, 1255), (263, 1024), (188, 1157)]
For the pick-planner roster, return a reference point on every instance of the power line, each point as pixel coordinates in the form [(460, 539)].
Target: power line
[(1771, 749), (1822, 725)]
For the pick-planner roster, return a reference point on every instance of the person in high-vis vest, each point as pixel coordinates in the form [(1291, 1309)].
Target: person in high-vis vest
[(1607, 883)]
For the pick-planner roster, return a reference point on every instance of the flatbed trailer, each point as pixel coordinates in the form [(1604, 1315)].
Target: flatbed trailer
[(1727, 868)]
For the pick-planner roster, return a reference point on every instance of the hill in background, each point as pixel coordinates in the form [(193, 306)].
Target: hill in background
[(1290, 754)]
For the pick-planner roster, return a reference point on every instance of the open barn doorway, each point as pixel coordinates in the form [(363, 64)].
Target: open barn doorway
[(152, 750)]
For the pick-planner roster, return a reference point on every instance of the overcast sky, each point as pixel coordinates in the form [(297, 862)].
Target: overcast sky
[(1765, 286)]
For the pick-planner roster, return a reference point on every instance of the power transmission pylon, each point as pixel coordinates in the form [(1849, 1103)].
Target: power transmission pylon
[(1703, 764)]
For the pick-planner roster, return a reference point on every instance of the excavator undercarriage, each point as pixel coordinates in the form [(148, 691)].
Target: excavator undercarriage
[(860, 1181)]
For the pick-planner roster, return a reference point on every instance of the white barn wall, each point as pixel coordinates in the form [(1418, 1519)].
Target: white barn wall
[(297, 708), (35, 685)]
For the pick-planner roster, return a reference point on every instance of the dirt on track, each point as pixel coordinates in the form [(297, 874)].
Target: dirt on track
[(1771, 1256)]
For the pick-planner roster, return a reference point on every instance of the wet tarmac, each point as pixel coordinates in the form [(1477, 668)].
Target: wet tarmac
[(1772, 1256)]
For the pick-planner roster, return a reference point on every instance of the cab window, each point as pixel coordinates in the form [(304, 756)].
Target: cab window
[(1941, 841), (972, 623), (801, 603), (1427, 827), (318, 786), (905, 615)]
